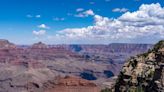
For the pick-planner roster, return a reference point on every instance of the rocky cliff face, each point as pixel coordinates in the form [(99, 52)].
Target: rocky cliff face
[(143, 73)]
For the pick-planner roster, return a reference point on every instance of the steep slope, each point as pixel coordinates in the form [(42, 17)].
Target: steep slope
[(143, 73)]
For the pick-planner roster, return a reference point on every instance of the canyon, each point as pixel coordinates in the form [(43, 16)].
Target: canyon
[(52, 68)]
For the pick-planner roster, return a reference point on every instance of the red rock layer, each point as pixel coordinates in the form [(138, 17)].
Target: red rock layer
[(74, 84)]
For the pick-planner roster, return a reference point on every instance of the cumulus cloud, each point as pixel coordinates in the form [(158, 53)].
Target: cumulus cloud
[(43, 26), (85, 13), (120, 10), (29, 16), (89, 12), (79, 9), (143, 25), (58, 19), (91, 2), (39, 33), (38, 16), (33, 16)]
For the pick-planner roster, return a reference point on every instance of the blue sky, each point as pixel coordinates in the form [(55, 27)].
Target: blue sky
[(54, 21)]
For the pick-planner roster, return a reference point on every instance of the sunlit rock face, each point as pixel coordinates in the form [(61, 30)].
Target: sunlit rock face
[(143, 72)]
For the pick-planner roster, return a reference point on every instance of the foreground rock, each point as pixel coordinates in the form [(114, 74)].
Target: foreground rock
[(143, 73)]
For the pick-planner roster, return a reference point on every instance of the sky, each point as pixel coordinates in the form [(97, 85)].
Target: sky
[(82, 21)]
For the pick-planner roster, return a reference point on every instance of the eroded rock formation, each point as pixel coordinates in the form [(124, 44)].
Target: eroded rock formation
[(143, 73), (27, 68)]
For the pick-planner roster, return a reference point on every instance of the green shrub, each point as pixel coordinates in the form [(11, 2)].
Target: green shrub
[(159, 45), (138, 89), (106, 90), (132, 89)]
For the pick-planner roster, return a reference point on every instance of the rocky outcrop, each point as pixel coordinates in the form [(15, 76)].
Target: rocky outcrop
[(5, 44), (39, 45), (144, 72)]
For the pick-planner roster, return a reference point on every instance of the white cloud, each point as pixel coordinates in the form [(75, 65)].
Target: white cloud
[(33, 16), (89, 12), (85, 13), (80, 15), (59, 19), (120, 10), (144, 25), (79, 9), (38, 16), (43, 26), (39, 33), (92, 2), (29, 16)]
